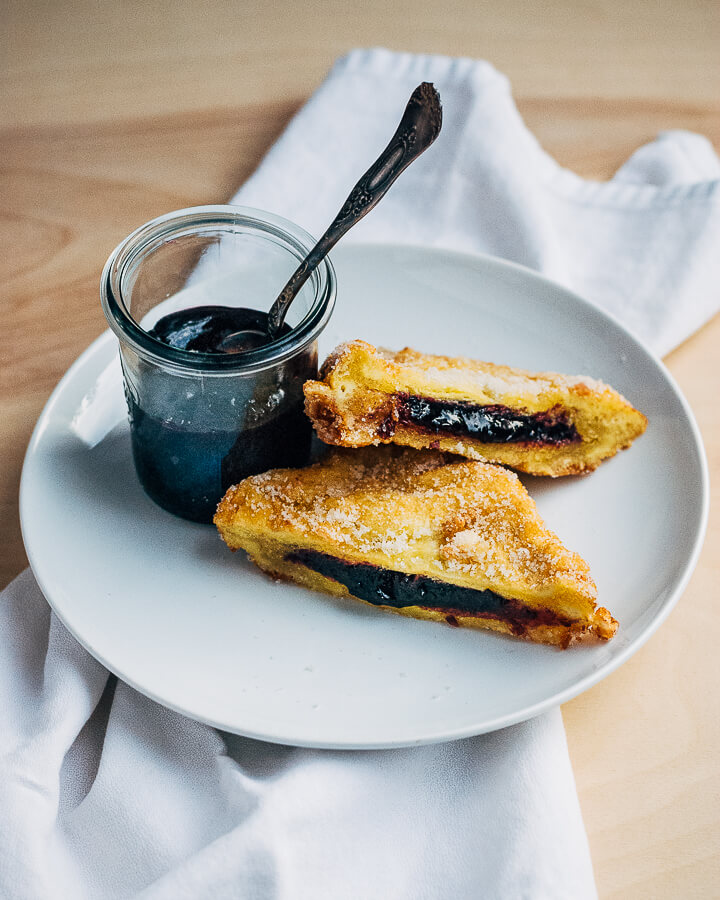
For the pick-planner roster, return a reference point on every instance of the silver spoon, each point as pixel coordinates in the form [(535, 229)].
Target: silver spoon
[(418, 128)]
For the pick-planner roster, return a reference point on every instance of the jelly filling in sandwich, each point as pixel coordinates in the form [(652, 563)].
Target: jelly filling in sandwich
[(384, 587), (495, 424)]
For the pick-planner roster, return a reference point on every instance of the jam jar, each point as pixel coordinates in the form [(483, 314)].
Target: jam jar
[(205, 413)]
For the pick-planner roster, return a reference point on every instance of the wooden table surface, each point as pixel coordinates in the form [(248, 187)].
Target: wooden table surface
[(114, 113)]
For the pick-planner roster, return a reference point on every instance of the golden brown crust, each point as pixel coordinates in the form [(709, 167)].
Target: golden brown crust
[(463, 523), (358, 399)]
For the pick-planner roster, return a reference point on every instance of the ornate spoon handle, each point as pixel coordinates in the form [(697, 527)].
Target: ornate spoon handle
[(418, 128)]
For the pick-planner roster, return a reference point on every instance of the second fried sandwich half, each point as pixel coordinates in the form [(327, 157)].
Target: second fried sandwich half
[(542, 423)]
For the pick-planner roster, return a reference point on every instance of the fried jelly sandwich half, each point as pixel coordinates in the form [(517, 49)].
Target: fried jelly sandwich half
[(418, 533), (542, 423)]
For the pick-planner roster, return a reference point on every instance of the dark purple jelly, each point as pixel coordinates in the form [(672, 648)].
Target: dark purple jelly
[(385, 587), (195, 434), (214, 329), (495, 424)]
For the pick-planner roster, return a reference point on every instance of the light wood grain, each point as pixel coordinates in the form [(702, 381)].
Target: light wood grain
[(113, 113)]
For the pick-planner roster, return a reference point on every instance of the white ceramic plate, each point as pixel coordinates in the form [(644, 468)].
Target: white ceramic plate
[(163, 603)]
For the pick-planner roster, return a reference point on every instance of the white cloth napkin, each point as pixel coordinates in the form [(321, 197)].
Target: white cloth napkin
[(105, 794)]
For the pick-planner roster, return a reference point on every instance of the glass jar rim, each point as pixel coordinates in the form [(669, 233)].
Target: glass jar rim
[(187, 220)]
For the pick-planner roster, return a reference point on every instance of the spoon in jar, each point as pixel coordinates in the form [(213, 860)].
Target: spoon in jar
[(418, 128)]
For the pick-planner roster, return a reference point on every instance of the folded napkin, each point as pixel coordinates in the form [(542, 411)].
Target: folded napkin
[(105, 794)]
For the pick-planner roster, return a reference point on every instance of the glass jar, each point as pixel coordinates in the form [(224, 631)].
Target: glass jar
[(201, 421)]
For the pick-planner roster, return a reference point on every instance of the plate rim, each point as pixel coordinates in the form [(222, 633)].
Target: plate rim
[(104, 344)]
